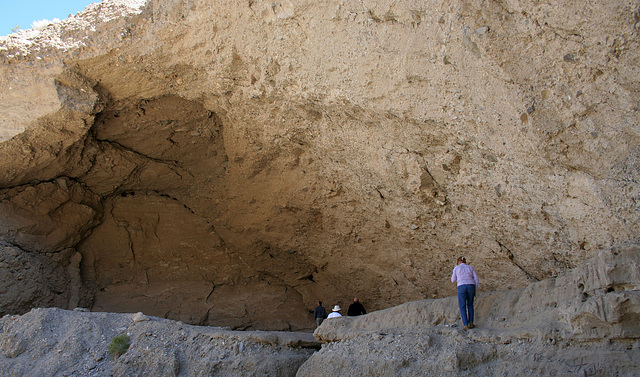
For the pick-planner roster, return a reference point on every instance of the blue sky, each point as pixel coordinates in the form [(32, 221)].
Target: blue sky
[(24, 12)]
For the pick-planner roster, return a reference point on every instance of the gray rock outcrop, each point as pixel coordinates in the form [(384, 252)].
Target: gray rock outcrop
[(55, 342)]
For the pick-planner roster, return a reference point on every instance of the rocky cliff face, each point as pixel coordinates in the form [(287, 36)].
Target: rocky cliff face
[(230, 163), (584, 322)]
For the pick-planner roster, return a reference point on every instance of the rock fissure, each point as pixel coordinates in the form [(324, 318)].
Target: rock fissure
[(511, 257), (172, 163)]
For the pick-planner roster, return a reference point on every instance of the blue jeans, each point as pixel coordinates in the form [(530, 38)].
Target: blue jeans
[(466, 293)]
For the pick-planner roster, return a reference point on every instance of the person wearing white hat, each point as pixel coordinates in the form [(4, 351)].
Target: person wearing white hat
[(335, 312)]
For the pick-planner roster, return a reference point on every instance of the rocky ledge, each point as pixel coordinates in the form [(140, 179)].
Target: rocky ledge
[(584, 322)]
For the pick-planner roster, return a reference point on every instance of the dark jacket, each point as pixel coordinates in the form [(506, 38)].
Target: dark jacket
[(319, 312), (356, 309)]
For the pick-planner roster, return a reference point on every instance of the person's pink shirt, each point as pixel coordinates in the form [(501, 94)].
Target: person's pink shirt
[(465, 274)]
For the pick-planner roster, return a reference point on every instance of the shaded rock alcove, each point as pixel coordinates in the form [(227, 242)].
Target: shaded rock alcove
[(228, 163)]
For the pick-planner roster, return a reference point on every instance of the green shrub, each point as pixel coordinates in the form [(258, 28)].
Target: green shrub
[(119, 345)]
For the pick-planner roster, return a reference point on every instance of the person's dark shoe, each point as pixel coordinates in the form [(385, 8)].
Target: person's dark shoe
[(471, 325)]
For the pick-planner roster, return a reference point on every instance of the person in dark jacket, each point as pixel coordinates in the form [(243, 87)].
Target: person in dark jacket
[(356, 308), (319, 314)]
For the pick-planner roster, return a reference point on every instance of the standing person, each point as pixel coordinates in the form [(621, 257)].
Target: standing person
[(356, 308), (335, 312), (319, 313), (468, 282)]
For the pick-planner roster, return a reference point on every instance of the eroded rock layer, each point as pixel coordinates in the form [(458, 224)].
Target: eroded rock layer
[(582, 322), (231, 163)]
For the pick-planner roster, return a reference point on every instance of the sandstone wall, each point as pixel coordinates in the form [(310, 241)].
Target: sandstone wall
[(230, 163)]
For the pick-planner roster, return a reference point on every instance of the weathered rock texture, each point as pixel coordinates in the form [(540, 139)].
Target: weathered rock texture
[(229, 163), (55, 342), (582, 323), (586, 322)]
